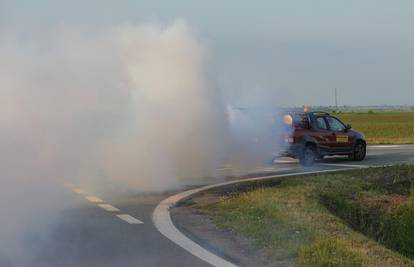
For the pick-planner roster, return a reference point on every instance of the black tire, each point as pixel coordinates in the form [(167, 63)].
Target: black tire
[(308, 156), (359, 152)]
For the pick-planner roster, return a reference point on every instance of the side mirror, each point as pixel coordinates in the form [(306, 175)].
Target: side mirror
[(348, 127)]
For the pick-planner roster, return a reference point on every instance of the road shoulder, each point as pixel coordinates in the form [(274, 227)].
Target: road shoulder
[(198, 226)]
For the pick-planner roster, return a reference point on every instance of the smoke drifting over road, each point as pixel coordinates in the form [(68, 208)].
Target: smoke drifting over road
[(177, 123), (131, 103)]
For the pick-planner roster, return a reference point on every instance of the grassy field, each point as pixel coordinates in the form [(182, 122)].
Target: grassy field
[(383, 127), (355, 218)]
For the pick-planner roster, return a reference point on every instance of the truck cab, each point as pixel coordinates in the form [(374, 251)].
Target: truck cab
[(312, 135)]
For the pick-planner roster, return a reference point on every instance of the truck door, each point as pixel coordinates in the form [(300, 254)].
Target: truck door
[(322, 134), (341, 139)]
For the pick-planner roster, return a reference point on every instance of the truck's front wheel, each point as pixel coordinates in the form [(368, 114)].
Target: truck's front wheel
[(359, 152)]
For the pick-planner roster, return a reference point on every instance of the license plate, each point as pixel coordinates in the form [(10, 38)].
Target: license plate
[(342, 139)]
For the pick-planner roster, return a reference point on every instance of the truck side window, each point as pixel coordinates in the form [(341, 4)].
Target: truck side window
[(335, 125), (321, 124)]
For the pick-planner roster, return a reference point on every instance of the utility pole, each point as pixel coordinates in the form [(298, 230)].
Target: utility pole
[(336, 100)]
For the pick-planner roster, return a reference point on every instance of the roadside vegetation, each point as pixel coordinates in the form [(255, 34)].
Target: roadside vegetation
[(354, 218), (382, 127)]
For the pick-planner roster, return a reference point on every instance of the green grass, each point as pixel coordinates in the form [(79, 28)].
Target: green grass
[(343, 219), (328, 252), (381, 206), (383, 127)]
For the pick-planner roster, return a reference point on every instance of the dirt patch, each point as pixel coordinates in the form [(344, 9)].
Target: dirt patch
[(387, 203)]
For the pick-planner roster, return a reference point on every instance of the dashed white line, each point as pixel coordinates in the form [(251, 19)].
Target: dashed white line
[(93, 199), (270, 169), (129, 219), (281, 161), (224, 169), (78, 191), (108, 207), (100, 203)]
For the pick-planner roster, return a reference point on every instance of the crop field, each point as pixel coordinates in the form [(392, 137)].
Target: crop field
[(382, 127)]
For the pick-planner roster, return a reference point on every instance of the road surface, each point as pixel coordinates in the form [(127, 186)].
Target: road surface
[(118, 231)]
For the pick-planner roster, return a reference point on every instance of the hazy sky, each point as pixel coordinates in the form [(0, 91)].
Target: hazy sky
[(287, 52)]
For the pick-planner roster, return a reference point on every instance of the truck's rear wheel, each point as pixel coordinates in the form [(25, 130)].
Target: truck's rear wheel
[(360, 151), (308, 156)]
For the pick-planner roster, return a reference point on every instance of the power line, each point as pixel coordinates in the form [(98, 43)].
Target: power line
[(336, 99)]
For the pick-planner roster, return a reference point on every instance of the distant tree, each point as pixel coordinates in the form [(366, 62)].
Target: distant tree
[(370, 111)]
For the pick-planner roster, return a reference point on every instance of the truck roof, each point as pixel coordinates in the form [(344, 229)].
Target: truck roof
[(310, 113)]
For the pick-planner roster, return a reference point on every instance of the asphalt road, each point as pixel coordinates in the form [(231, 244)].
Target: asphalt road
[(88, 235)]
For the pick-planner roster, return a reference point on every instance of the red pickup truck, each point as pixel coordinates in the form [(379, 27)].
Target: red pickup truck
[(312, 135)]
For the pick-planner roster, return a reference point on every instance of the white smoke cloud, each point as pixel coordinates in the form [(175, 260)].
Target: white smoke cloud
[(178, 123), (131, 103)]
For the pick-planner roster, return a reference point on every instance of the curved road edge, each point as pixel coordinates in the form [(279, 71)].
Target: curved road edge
[(162, 218)]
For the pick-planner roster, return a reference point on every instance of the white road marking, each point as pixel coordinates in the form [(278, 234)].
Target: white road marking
[(129, 219), (269, 169), (93, 199), (284, 161), (79, 191), (108, 207), (224, 169), (385, 146), (343, 165), (161, 217)]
